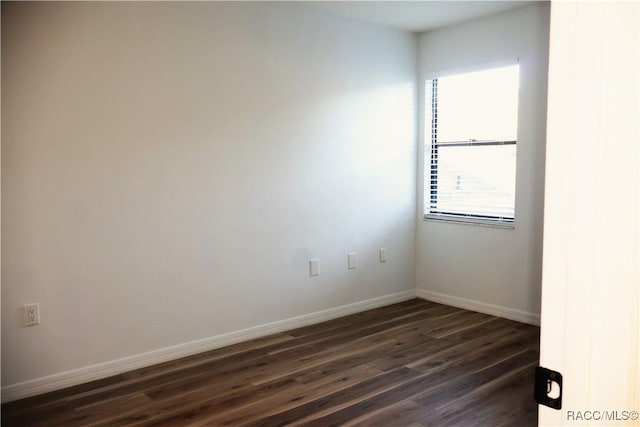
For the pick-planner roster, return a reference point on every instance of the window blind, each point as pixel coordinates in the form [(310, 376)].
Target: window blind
[(468, 178)]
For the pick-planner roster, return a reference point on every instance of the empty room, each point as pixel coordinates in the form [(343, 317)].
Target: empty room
[(320, 213)]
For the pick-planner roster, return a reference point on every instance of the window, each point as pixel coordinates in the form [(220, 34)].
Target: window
[(470, 157)]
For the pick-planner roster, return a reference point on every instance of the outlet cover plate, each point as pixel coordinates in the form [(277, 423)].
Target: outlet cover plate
[(31, 314), (351, 258)]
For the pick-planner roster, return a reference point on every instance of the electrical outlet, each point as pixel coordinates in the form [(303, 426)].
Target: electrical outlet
[(383, 254), (351, 260), (314, 267), (31, 314)]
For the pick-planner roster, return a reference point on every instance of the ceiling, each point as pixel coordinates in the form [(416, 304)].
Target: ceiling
[(416, 16)]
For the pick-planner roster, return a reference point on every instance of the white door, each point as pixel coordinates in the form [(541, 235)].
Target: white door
[(591, 263)]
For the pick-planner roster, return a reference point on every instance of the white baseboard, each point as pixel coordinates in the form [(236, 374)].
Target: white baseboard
[(481, 307), (118, 366)]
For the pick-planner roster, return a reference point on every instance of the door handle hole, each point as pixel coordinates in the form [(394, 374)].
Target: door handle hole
[(553, 389)]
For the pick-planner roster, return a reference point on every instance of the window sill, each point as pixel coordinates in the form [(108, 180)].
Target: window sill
[(470, 221)]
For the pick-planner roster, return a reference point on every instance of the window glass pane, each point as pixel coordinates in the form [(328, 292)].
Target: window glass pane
[(475, 180), (481, 105)]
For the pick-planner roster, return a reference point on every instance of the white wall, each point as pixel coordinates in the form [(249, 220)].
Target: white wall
[(168, 170), (486, 267)]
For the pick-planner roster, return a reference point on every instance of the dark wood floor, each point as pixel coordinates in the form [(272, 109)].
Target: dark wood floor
[(416, 363)]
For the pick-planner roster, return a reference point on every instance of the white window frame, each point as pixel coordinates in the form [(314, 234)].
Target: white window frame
[(428, 151)]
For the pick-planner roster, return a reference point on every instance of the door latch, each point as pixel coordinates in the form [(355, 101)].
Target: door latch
[(544, 390)]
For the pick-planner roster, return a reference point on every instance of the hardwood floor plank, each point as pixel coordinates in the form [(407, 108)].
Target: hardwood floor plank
[(498, 404), (100, 410), (356, 330), (195, 404), (395, 309), (436, 387), (266, 370), (403, 413), (228, 364), (209, 356), (479, 345), (214, 393), (465, 383), (426, 349), (340, 399), (415, 363), (48, 400), (468, 321), (249, 368), (293, 397)]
